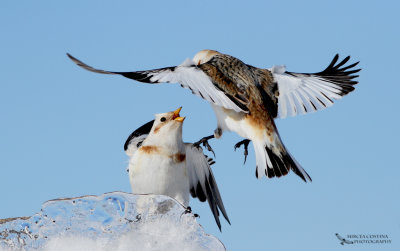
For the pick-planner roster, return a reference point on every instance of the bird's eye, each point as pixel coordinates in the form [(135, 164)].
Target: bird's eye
[(163, 119)]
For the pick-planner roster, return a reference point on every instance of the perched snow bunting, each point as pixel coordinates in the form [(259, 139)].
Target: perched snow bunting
[(246, 99), (162, 164)]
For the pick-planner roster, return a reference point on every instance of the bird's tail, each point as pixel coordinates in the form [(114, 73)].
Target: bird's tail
[(273, 160)]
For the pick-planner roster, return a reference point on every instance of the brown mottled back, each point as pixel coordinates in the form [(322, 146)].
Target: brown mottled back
[(270, 87), (240, 83)]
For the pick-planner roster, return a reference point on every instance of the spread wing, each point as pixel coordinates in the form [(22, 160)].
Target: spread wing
[(188, 75), (137, 137), (201, 181), (300, 93)]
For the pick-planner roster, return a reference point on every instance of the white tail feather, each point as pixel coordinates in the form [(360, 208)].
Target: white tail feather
[(262, 158), (282, 159)]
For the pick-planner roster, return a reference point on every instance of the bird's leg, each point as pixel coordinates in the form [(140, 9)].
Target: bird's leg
[(204, 141), (188, 210), (218, 132), (246, 143)]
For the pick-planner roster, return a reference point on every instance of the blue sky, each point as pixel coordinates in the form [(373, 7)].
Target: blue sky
[(62, 128)]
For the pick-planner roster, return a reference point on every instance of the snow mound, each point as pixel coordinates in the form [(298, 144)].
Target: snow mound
[(112, 221)]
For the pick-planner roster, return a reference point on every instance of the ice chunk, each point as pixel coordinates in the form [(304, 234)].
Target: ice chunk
[(112, 221)]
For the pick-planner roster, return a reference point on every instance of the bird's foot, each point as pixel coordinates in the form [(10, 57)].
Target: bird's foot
[(188, 210), (138, 218), (204, 142), (245, 143)]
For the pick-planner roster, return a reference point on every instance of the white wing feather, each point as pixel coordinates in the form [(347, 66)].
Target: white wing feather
[(301, 94), (198, 82), (197, 166), (186, 74), (199, 172)]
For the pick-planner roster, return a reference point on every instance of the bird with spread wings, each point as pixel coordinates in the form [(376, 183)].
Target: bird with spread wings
[(247, 99)]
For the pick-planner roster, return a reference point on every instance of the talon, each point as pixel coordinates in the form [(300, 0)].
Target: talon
[(245, 144), (197, 144), (138, 218), (204, 142), (188, 210)]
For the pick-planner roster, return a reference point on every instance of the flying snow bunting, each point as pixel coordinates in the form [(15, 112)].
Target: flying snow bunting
[(246, 99), (161, 163)]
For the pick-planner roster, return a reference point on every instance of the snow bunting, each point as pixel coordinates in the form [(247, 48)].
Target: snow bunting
[(161, 163), (247, 99)]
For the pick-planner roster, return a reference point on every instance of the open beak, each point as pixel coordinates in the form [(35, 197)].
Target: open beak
[(180, 119), (176, 115)]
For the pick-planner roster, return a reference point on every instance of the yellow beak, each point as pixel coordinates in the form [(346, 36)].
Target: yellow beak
[(180, 119), (176, 112), (176, 116)]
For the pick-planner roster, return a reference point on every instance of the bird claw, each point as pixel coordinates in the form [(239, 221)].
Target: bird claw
[(246, 143), (204, 142), (188, 210), (138, 218)]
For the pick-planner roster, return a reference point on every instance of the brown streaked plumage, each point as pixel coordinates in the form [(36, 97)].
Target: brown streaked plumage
[(246, 99)]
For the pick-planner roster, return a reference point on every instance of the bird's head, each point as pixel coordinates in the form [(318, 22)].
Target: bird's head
[(167, 126), (204, 56)]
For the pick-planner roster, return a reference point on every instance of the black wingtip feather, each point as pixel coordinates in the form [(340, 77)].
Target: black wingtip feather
[(146, 76), (334, 60), (351, 66), (193, 192), (87, 67), (342, 62), (212, 203), (200, 193), (144, 129), (141, 76), (340, 74), (138, 76)]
